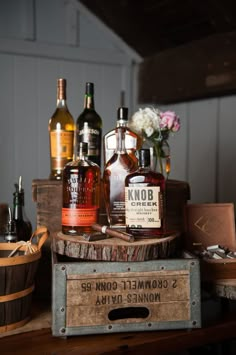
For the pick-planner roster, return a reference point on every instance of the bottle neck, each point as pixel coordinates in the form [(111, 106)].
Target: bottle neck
[(121, 123), (61, 93), (120, 140), (83, 151), (89, 101), (18, 205)]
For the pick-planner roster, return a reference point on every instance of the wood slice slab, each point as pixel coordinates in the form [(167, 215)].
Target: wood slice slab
[(114, 249)]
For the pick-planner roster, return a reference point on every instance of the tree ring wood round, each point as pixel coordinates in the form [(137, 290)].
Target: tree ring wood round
[(114, 249)]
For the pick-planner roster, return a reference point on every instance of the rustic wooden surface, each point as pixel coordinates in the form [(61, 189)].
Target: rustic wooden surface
[(213, 270), (48, 197), (41, 341), (225, 288), (114, 249)]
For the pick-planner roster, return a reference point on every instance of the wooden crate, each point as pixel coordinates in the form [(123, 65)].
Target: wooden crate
[(211, 224), (108, 297), (48, 196)]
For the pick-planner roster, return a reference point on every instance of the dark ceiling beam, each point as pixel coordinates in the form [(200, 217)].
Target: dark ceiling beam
[(199, 69)]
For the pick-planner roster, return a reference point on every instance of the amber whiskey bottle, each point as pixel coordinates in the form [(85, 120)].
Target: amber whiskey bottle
[(133, 141), (89, 126), (145, 200), (81, 194), (61, 134), (115, 172)]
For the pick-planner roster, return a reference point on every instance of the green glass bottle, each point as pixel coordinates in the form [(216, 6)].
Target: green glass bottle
[(89, 126)]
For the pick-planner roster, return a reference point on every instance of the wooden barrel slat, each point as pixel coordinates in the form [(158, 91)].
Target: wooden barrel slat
[(17, 274)]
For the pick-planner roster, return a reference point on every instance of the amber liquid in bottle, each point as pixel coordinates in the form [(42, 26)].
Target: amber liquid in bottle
[(133, 141), (145, 200), (61, 134), (89, 126), (81, 194), (115, 172)]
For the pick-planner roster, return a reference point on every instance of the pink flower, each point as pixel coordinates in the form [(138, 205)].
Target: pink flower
[(170, 120)]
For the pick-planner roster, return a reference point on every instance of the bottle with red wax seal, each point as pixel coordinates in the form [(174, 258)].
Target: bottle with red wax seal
[(81, 194)]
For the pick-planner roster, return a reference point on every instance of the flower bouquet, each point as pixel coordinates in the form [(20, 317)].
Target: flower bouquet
[(155, 126)]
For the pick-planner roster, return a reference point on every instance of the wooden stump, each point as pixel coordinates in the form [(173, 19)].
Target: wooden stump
[(114, 249)]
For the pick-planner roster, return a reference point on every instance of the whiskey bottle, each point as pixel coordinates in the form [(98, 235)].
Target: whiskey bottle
[(133, 141), (145, 200), (61, 134), (115, 172), (89, 126), (23, 224), (81, 194)]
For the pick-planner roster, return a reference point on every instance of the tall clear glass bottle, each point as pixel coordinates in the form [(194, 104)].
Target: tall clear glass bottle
[(115, 172), (89, 126), (61, 134), (81, 194), (133, 141), (23, 224), (145, 200)]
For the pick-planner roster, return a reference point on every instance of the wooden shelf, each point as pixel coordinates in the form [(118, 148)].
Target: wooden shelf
[(41, 341)]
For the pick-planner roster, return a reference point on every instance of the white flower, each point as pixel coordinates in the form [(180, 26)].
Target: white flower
[(145, 121)]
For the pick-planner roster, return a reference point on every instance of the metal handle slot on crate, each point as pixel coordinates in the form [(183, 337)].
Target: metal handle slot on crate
[(128, 312)]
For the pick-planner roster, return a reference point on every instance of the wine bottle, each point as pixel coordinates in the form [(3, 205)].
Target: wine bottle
[(133, 141), (23, 224), (61, 134), (81, 194), (144, 200), (89, 126), (115, 172)]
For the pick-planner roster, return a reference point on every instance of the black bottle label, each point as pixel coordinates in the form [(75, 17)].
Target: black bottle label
[(93, 137)]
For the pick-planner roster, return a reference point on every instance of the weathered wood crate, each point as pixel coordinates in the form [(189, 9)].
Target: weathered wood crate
[(48, 197), (212, 224), (108, 297)]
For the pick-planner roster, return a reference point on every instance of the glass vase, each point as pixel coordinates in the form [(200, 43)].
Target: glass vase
[(159, 155)]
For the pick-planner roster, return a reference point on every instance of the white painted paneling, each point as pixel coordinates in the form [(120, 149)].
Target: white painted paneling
[(92, 38), (25, 124), (7, 132), (226, 173), (179, 145), (50, 24), (201, 154), (13, 23)]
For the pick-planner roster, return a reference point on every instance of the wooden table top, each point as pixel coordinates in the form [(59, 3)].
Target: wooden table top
[(41, 341)]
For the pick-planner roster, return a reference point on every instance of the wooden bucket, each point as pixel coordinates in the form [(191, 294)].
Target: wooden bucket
[(18, 266)]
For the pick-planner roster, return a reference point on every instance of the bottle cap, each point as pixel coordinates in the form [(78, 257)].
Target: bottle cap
[(83, 148), (122, 114), (89, 88), (144, 157), (61, 89)]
